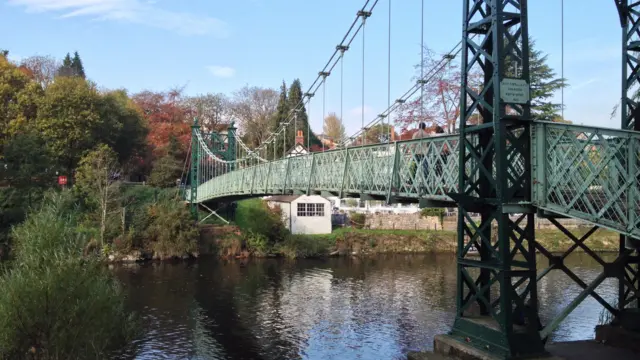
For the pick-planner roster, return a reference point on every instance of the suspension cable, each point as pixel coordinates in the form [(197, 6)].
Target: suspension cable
[(348, 38), (324, 101), (429, 75), (389, 75), (364, 137), (422, 61), (562, 55)]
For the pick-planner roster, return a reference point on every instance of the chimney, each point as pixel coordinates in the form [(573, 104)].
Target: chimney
[(299, 138), (393, 134)]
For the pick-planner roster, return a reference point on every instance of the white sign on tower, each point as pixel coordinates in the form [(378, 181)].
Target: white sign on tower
[(514, 91)]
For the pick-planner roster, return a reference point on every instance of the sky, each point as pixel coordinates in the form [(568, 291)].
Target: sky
[(214, 46)]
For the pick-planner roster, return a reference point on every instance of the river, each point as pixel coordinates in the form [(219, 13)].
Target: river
[(337, 308)]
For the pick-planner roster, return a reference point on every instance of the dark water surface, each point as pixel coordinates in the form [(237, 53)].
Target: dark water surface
[(341, 308)]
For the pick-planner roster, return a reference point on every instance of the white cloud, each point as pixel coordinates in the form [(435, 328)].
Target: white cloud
[(221, 71), (133, 11)]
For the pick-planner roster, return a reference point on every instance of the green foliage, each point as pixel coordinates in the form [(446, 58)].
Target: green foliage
[(122, 126), (76, 65), (166, 170), (424, 212), (19, 99), (254, 216), (293, 99), (358, 219), (68, 119), (171, 231), (258, 243), (302, 246), (27, 162), (56, 303)]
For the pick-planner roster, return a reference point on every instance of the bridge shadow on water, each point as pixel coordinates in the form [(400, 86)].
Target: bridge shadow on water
[(338, 308)]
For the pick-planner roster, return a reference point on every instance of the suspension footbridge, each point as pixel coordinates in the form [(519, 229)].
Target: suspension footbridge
[(500, 164)]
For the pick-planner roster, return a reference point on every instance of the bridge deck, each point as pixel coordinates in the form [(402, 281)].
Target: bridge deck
[(582, 172)]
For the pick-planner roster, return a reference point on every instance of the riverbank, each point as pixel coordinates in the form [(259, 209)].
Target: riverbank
[(227, 241)]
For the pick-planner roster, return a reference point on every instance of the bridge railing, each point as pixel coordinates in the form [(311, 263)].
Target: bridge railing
[(425, 168), (588, 173)]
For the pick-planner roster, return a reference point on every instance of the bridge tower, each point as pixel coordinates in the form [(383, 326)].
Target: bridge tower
[(498, 290), (222, 145), (628, 274)]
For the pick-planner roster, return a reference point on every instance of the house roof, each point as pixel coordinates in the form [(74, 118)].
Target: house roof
[(283, 198)]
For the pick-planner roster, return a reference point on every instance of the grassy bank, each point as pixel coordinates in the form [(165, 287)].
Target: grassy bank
[(258, 231)]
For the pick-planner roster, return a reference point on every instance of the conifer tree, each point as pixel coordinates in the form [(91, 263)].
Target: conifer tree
[(66, 69), (76, 65), (295, 101), (281, 114)]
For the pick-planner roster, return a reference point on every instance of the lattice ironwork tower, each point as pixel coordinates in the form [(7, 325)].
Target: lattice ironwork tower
[(628, 275), (495, 181), (193, 170)]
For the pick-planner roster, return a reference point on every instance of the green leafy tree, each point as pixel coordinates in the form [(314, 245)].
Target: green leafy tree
[(97, 176), (27, 162), (20, 97), (376, 134), (69, 120), (168, 168), (122, 126), (294, 99), (76, 66)]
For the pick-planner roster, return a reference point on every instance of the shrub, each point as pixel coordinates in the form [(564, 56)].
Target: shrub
[(56, 303), (258, 243), (171, 231), (256, 217), (358, 219)]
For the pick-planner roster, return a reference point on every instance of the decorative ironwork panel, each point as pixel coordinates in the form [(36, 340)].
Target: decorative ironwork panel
[(589, 173)]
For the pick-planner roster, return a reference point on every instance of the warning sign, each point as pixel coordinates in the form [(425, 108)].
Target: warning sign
[(514, 91)]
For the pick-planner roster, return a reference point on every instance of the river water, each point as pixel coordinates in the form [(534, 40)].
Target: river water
[(338, 308)]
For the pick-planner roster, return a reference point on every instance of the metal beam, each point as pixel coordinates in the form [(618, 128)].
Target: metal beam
[(495, 36)]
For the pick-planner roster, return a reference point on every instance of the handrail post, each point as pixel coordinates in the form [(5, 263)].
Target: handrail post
[(394, 172), (286, 174), (344, 172), (311, 173)]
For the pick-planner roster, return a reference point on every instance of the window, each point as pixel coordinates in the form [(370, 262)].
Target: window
[(310, 209), (302, 210)]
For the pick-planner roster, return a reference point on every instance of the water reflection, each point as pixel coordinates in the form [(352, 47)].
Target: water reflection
[(377, 308)]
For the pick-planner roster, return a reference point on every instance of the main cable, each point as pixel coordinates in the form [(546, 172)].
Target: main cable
[(333, 60)]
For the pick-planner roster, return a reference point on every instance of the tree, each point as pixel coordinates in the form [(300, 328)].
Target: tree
[(97, 176), (254, 108), (122, 126), (20, 98), (377, 134), (295, 102), (166, 117), (76, 65), (69, 119), (334, 128), (280, 116), (26, 161), (42, 68), (66, 69), (212, 110), (4, 53), (440, 104), (543, 83), (168, 168)]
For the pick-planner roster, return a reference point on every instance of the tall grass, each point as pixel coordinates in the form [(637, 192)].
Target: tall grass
[(55, 303)]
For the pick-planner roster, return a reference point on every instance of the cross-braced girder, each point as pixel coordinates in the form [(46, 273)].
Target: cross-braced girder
[(628, 280), (495, 131)]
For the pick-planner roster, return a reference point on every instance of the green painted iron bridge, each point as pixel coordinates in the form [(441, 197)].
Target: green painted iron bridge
[(500, 164)]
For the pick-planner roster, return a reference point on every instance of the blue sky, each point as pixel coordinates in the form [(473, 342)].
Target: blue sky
[(219, 46)]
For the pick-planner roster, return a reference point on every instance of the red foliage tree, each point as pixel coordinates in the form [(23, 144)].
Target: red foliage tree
[(167, 117)]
